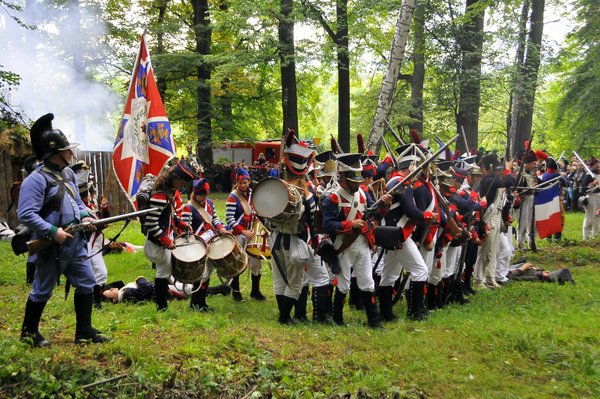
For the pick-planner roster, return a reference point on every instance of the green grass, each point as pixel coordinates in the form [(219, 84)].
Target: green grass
[(527, 340)]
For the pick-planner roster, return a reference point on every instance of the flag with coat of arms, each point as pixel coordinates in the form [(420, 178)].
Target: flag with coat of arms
[(144, 143)]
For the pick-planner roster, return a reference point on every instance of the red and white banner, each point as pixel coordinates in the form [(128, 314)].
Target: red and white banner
[(145, 142)]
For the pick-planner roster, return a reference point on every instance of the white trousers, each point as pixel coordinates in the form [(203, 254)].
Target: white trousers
[(488, 254), (504, 255), (525, 215), (407, 256), (291, 262), (316, 274), (160, 256), (451, 258), (356, 257), (95, 244), (591, 222)]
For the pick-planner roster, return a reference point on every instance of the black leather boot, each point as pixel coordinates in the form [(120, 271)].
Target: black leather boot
[(198, 299), (338, 307), (459, 293), (30, 330), (235, 289), (440, 292), (300, 306), (321, 303), (386, 296), (330, 291), (416, 309), (84, 332), (368, 300), (450, 290), (30, 272), (285, 304), (98, 296), (161, 289), (431, 297), (355, 299), (255, 293)]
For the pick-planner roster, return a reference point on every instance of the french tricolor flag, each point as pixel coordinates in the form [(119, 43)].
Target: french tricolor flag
[(548, 218)]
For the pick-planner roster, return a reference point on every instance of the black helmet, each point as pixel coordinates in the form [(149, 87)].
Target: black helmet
[(47, 141)]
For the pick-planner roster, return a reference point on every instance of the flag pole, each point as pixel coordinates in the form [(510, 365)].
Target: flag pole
[(137, 61)]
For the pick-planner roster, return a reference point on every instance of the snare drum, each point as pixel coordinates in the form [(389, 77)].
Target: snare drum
[(226, 256), (188, 259)]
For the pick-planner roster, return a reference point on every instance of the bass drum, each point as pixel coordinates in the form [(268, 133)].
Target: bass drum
[(188, 259), (280, 204), (226, 256)]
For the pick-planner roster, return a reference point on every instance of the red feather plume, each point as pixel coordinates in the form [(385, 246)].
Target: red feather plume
[(361, 143), (415, 136), (334, 145), (541, 155), (289, 140)]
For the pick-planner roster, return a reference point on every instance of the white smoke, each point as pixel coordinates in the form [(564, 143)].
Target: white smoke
[(85, 109)]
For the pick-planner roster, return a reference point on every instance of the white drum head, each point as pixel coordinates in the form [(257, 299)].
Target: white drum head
[(270, 198), (189, 249), (221, 246)]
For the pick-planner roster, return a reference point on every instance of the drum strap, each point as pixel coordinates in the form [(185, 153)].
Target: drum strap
[(202, 211), (276, 246), (243, 201)]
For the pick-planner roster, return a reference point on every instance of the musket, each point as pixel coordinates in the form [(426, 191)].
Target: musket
[(464, 136), (522, 166), (389, 150), (562, 154), (587, 169), (36, 246), (542, 186), (373, 208), (394, 133)]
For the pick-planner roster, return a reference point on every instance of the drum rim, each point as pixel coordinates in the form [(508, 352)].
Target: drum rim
[(255, 191)]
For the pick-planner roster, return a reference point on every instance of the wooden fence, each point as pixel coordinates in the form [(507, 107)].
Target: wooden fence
[(100, 165)]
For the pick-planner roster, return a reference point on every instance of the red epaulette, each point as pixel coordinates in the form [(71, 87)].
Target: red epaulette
[(334, 199)]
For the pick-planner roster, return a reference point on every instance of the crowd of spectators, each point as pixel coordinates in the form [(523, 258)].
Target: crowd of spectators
[(221, 175)]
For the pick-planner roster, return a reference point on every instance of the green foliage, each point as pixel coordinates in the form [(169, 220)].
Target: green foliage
[(575, 102)]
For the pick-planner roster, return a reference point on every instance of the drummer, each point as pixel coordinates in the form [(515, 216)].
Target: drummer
[(289, 241), (239, 216), (160, 225), (200, 213)]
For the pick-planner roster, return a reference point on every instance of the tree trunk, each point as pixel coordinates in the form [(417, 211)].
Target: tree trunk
[(161, 82), (470, 84), (289, 97), (343, 57), (531, 68), (78, 67), (388, 87), (202, 31), (516, 95), (418, 76)]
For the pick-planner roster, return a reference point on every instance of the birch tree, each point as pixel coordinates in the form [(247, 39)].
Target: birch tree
[(390, 80)]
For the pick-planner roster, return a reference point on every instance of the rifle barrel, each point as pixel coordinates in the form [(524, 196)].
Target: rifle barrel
[(416, 171)]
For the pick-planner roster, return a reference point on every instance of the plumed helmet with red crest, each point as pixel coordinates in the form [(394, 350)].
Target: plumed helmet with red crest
[(296, 156)]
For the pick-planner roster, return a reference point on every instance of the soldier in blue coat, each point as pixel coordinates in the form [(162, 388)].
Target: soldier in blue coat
[(49, 202)]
